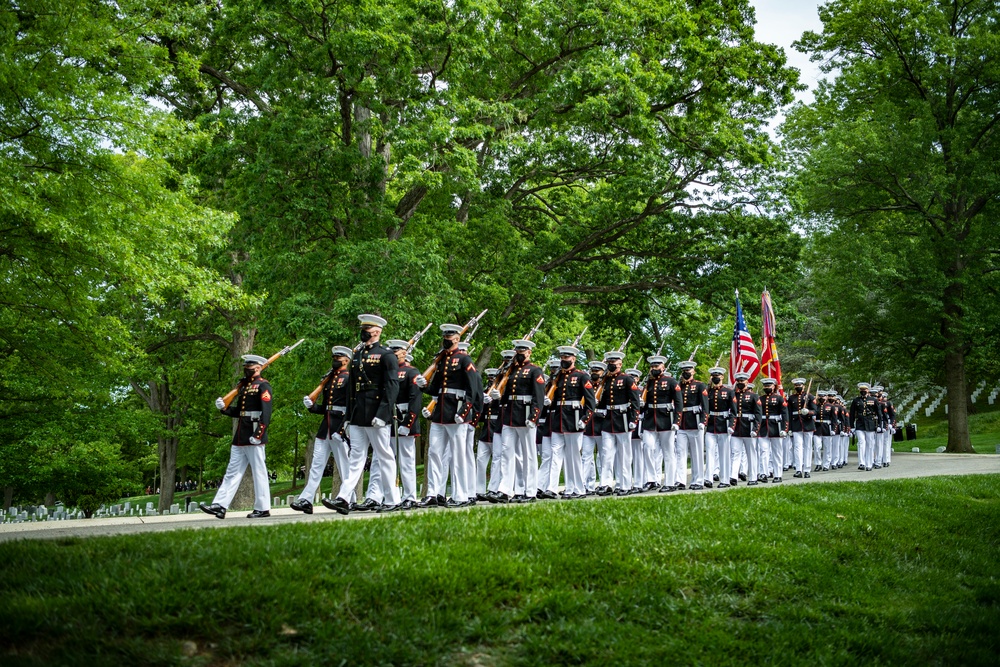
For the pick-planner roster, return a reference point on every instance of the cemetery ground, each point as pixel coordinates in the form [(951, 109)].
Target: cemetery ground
[(887, 571)]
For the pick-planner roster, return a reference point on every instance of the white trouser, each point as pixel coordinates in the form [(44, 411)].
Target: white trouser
[(744, 450), (470, 457), (568, 446), (322, 450), (663, 442), (719, 442), (374, 490), (866, 447), (550, 467), (406, 454), (446, 453), (711, 457), (496, 467), (376, 438), (654, 458), (763, 456), (886, 443), (691, 442), (817, 451), (828, 443), (239, 458), (519, 467), (484, 453), (776, 446), (616, 459), (888, 446), (590, 445), (802, 448), (788, 454), (638, 463)]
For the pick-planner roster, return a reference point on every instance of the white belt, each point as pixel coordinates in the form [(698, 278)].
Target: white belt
[(619, 407), (822, 421), (662, 406), (719, 414), (693, 408), (252, 414), (524, 398), (402, 407), (601, 412), (775, 418), (339, 409), (454, 392), (572, 403)]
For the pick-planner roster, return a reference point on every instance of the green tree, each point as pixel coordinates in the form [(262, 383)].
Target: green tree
[(899, 175)]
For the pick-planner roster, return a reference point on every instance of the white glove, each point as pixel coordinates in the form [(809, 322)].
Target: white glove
[(403, 430), (219, 403), (580, 425), (426, 413), (701, 427), (602, 412), (254, 441), (893, 430), (487, 399), (377, 423), (547, 401), (754, 434), (674, 427), (803, 412), (495, 394), (459, 420), (731, 431), (642, 404), (783, 434), (632, 425), (878, 430), (531, 425), (306, 401), (420, 381)]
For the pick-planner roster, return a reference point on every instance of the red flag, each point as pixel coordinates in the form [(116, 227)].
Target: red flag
[(769, 362)]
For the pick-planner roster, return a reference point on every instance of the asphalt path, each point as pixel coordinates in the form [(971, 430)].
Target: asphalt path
[(905, 465)]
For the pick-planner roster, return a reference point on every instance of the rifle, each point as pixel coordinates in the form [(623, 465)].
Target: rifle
[(228, 398), (417, 336), (600, 389), (471, 324), (500, 383), (551, 394)]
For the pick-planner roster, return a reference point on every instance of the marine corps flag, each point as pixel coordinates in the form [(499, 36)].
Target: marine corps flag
[(770, 365)]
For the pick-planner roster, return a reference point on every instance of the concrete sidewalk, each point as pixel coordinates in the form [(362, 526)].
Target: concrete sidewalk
[(904, 465)]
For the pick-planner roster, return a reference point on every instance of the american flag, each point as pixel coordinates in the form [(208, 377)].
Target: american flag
[(770, 364), (743, 354)]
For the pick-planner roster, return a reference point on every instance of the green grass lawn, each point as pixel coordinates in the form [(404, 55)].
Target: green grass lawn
[(883, 572)]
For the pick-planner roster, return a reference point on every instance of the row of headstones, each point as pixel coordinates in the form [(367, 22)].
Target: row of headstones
[(59, 513)]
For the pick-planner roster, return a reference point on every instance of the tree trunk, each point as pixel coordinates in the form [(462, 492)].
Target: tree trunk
[(168, 471), (8, 497), (50, 499), (243, 500), (959, 441)]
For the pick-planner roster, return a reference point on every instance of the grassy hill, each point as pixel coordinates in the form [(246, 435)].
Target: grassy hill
[(897, 572)]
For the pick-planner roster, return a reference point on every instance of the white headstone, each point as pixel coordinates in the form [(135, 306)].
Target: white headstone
[(940, 450)]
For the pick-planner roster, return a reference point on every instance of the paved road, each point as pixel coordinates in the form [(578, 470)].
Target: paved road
[(904, 465)]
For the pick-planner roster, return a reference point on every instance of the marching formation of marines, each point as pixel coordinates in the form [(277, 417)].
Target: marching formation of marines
[(598, 429)]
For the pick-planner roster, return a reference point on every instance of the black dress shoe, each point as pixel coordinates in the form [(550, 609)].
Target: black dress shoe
[(482, 496), (776, 480), (723, 485), (368, 506), (428, 501), (762, 478), (259, 514), (807, 475), (753, 482), (215, 509), (519, 498), (548, 495), (538, 494), (680, 487), (452, 503), (708, 485), (743, 477), (389, 508), (338, 505), (500, 497), (861, 467), (868, 469), (621, 492), (877, 466), (798, 473), (696, 487), (732, 481), (408, 505), (667, 489), (302, 505), (715, 478)]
